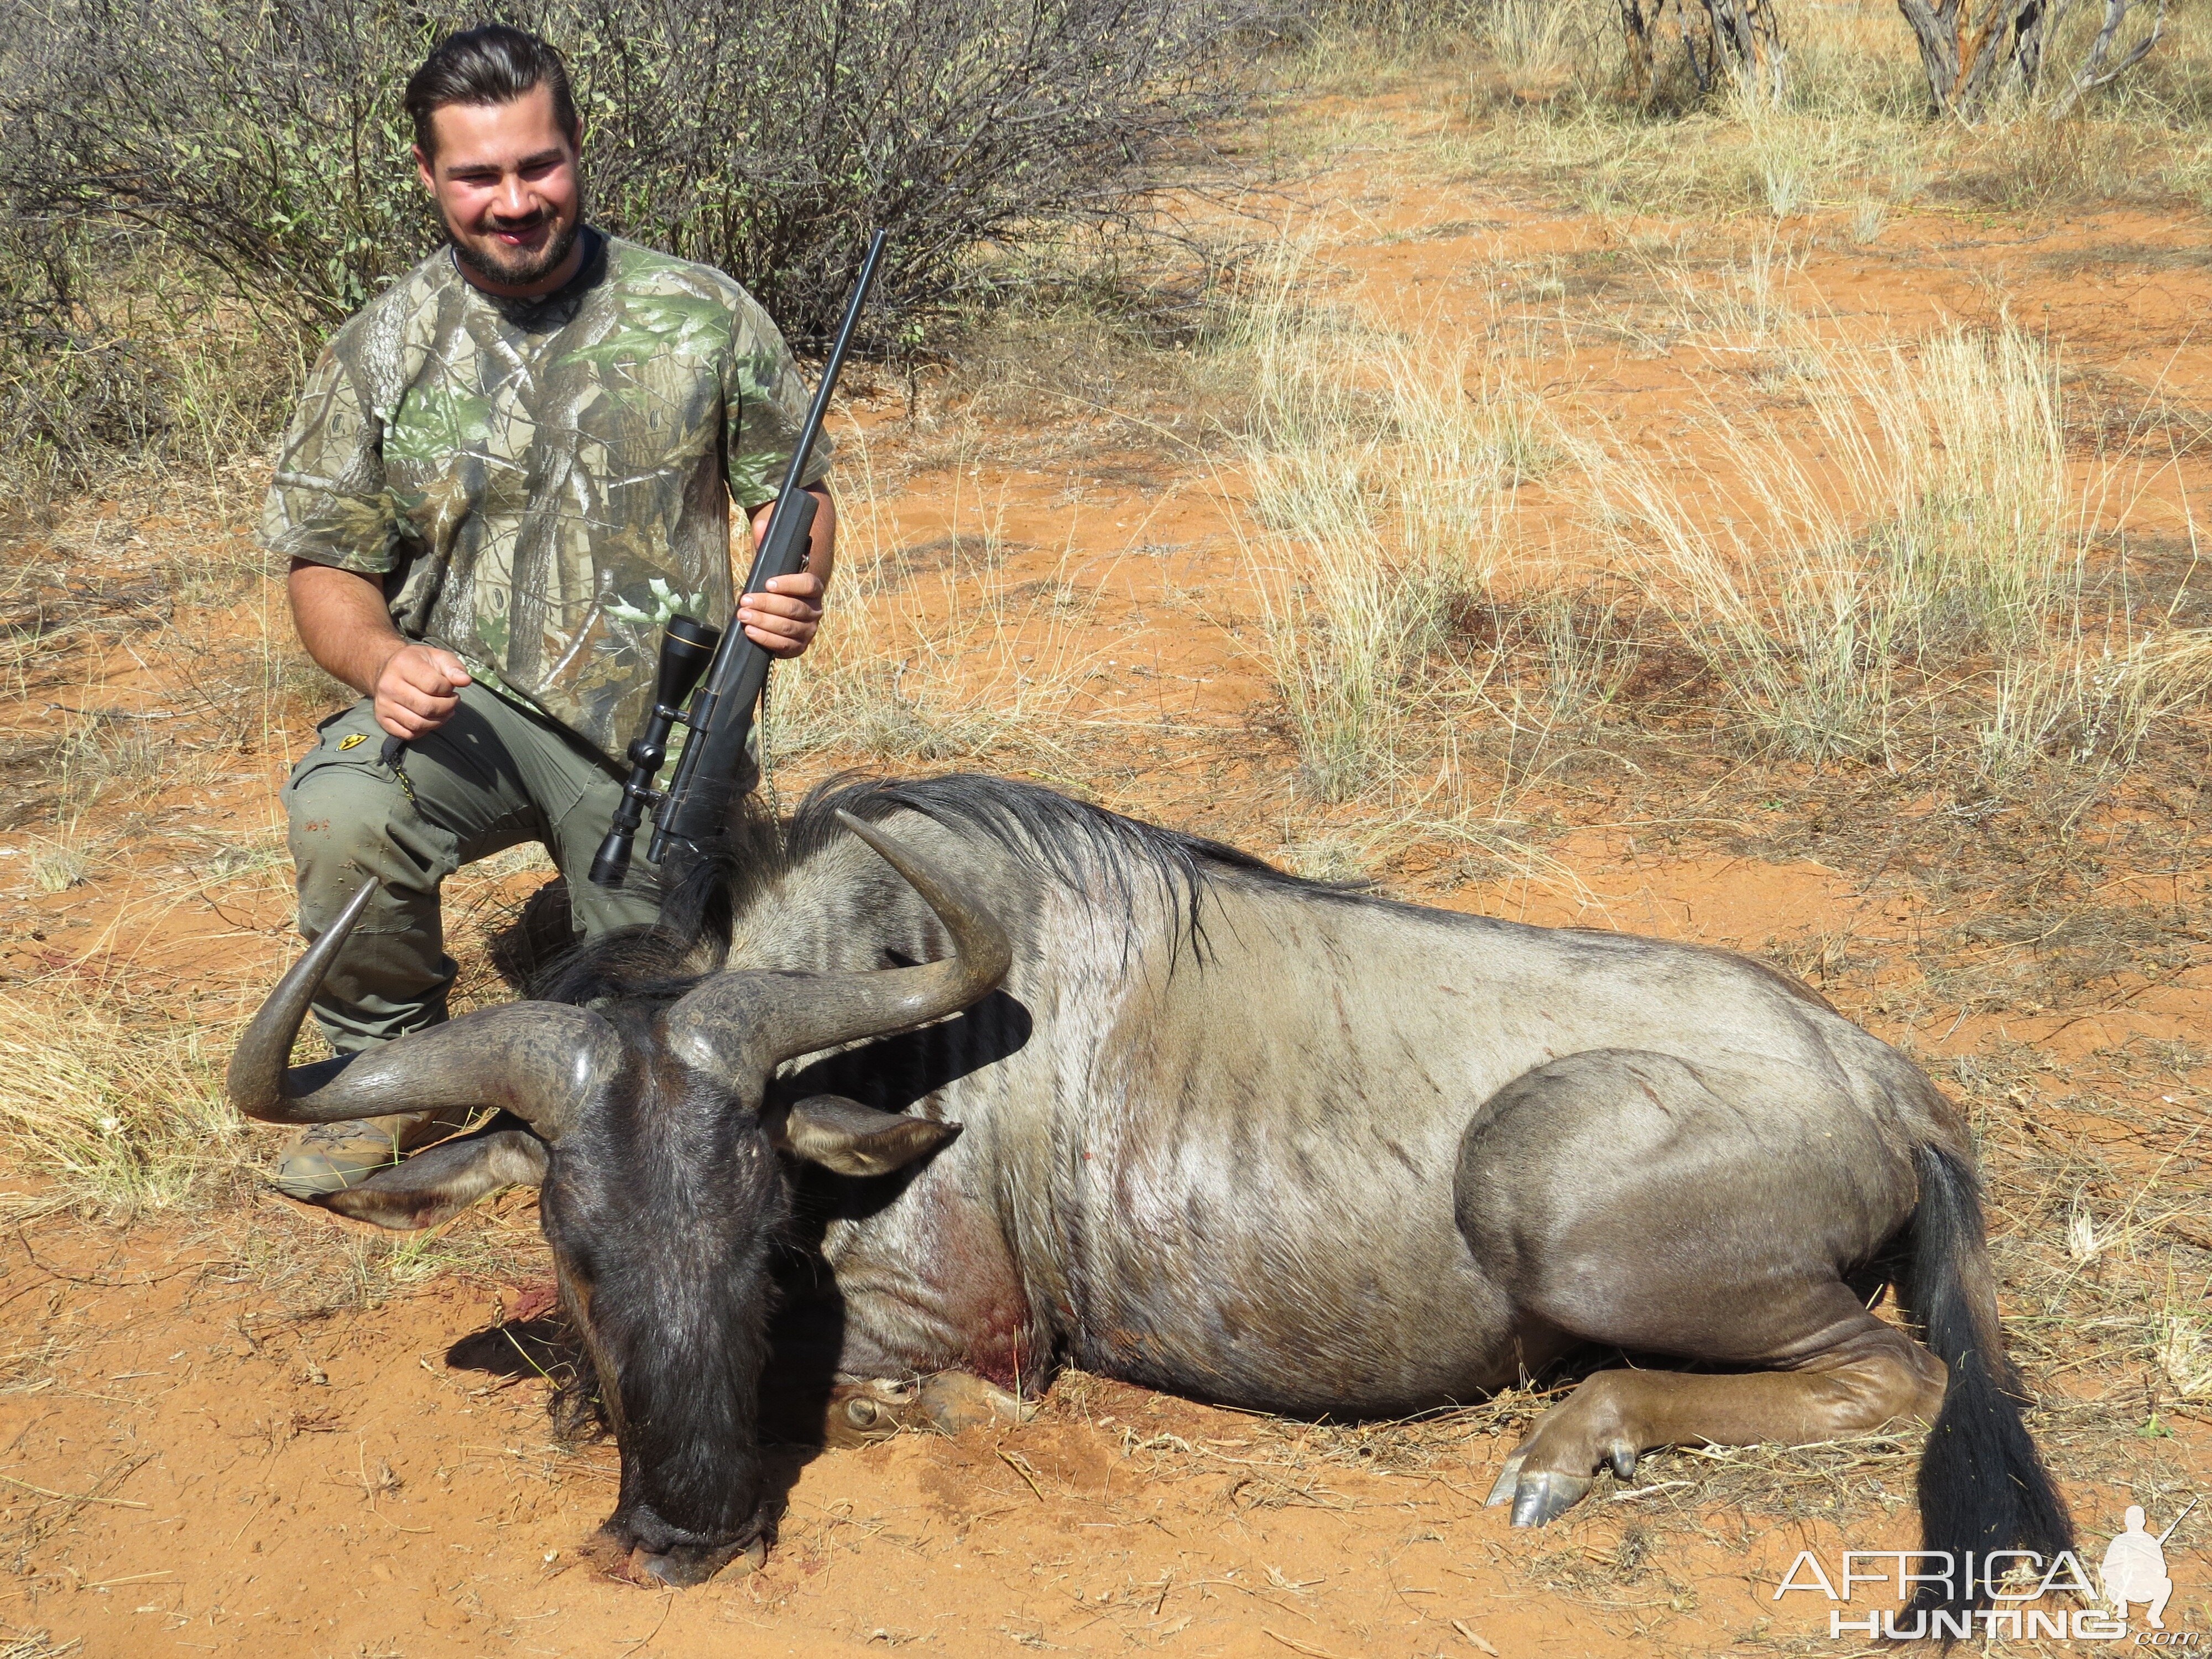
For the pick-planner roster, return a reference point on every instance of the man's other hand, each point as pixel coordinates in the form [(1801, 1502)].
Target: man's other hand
[(783, 621), (346, 629), (419, 690)]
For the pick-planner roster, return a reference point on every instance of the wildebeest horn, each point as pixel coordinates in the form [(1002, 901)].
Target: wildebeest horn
[(537, 1060), (748, 1022)]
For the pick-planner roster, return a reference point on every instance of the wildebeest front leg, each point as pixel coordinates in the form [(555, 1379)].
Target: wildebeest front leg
[(950, 1401), (1630, 1200)]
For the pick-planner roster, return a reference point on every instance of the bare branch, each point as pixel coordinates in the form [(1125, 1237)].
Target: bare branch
[(2094, 74)]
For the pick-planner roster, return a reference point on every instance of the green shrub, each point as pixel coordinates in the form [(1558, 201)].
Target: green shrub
[(262, 152), (764, 138)]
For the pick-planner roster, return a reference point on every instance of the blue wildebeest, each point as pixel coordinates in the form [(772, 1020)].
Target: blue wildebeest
[(1163, 1112)]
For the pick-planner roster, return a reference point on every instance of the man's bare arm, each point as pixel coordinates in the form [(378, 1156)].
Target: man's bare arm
[(782, 621), (343, 623)]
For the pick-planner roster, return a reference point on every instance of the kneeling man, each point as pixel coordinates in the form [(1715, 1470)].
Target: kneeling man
[(505, 473)]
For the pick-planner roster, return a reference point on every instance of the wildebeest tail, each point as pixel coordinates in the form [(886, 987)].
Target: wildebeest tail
[(1983, 1485)]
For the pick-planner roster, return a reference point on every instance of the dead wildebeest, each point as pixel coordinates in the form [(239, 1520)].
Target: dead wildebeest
[(1165, 1113)]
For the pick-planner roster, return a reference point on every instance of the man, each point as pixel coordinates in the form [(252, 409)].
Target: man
[(2134, 1569), (506, 472)]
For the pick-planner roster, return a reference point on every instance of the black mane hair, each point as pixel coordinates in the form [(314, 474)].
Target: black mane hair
[(1067, 841)]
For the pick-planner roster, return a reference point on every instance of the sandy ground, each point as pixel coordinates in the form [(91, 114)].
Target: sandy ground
[(252, 1429)]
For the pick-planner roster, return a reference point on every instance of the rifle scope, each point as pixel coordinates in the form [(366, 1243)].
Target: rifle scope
[(685, 649)]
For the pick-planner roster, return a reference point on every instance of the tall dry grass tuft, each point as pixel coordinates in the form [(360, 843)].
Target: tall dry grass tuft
[(1542, 45), (122, 1116), (1982, 532), (1378, 470), (2085, 700), (1920, 546)]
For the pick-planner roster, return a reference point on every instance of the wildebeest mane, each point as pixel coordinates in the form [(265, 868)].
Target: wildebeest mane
[(1067, 842)]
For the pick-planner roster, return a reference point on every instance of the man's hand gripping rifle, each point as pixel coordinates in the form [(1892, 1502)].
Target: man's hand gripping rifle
[(728, 668)]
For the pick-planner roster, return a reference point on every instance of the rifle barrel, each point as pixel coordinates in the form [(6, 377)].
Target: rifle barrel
[(2177, 1521), (720, 716)]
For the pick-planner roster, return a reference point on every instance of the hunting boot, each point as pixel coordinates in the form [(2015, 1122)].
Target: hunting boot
[(328, 1157)]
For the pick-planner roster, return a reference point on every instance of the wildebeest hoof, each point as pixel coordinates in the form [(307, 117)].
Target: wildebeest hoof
[(682, 1570), (1546, 1495), (865, 1412), (1623, 1459), (953, 1400), (1509, 1479)]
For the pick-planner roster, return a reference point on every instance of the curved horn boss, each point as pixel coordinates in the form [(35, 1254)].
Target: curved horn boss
[(746, 1024)]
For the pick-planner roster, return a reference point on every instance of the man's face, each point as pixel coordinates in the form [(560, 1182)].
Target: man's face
[(505, 178)]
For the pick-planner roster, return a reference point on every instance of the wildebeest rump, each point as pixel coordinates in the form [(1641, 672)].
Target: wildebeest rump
[(1185, 1120)]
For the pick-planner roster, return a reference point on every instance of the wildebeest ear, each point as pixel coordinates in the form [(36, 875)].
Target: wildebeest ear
[(437, 1185), (850, 1138)]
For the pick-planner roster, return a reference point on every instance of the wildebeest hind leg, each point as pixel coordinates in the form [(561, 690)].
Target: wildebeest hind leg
[(1632, 1200), (1617, 1415)]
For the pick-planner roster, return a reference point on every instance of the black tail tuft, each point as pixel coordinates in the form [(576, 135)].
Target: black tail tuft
[(1983, 1485)]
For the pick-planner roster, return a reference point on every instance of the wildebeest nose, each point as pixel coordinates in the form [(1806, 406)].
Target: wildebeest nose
[(685, 1564)]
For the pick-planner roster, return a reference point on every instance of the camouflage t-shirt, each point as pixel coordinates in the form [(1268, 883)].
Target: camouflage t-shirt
[(542, 482)]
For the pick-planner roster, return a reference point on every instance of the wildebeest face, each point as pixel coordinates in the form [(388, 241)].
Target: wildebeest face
[(662, 1190), (661, 1208), (662, 1214), (662, 1201)]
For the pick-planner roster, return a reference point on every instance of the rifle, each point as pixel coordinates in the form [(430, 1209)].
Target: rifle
[(728, 669), (2177, 1519)]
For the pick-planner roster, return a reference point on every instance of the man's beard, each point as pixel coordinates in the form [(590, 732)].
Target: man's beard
[(526, 267)]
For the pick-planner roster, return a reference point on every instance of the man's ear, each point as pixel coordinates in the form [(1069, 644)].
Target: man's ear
[(845, 1137), (423, 171), (438, 1185)]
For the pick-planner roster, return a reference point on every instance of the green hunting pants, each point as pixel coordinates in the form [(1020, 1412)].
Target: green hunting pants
[(492, 777)]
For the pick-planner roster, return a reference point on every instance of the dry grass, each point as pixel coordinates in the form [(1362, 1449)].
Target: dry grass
[(934, 654), (1379, 471), (1809, 571), (37, 1644), (124, 1115), (1911, 572), (2182, 1347), (140, 364), (1901, 562)]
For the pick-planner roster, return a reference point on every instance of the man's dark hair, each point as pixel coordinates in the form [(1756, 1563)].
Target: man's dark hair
[(494, 63)]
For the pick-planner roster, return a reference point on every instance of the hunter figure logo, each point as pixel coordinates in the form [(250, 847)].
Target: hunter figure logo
[(2003, 1593), (2133, 1568)]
